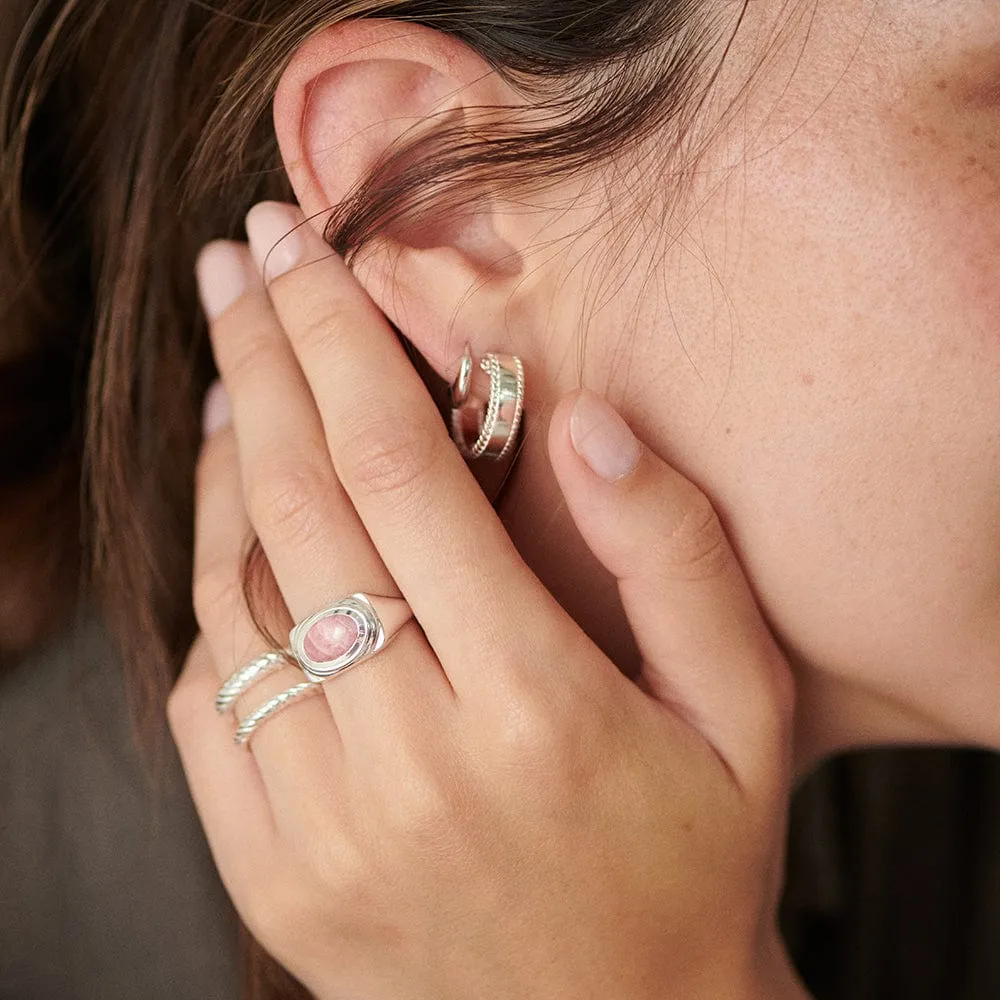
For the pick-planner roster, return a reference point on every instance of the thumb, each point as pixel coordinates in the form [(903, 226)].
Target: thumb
[(707, 653)]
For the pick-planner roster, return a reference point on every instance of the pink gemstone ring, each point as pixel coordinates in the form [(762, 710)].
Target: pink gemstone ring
[(342, 635)]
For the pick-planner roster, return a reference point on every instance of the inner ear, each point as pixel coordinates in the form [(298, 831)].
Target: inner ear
[(469, 231), (355, 110), (358, 113)]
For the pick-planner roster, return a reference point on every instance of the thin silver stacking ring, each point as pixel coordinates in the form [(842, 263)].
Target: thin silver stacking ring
[(325, 644), (244, 678), (248, 726)]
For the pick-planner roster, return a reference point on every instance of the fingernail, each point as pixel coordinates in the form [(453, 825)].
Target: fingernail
[(601, 438), (221, 270), (216, 413), (275, 237)]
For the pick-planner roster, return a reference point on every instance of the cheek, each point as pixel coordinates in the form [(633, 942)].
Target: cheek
[(861, 479), (870, 526)]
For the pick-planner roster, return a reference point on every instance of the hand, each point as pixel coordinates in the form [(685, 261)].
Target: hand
[(488, 808)]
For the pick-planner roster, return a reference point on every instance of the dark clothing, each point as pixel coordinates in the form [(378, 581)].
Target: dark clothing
[(107, 888), (894, 876)]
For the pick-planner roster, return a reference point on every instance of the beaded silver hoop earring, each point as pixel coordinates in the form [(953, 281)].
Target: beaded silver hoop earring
[(488, 428)]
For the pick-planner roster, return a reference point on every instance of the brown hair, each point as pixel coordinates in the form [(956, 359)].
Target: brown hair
[(136, 130)]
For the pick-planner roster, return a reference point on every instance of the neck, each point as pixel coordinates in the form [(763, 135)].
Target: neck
[(834, 716)]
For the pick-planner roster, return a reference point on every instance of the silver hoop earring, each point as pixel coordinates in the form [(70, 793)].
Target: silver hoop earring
[(488, 427)]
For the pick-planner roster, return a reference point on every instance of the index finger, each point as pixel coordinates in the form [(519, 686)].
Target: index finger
[(436, 531)]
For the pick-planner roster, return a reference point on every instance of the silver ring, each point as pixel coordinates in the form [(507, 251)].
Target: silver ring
[(339, 637), (242, 679), (248, 726), (497, 422)]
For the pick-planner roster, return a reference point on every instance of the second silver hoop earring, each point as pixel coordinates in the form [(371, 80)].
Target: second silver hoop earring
[(488, 427)]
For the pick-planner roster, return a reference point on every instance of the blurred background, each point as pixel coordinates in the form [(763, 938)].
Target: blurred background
[(893, 888)]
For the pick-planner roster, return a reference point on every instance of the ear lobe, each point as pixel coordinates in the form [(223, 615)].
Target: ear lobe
[(350, 93)]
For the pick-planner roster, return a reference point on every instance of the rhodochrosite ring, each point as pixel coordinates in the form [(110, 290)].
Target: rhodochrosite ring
[(342, 635)]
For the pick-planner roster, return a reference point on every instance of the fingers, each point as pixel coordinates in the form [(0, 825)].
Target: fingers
[(440, 539), (707, 652), (317, 546), (298, 750), (294, 498), (226, 787)]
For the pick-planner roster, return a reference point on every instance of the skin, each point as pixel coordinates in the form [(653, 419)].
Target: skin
[(817, 348), (812, 368), (446, 821)]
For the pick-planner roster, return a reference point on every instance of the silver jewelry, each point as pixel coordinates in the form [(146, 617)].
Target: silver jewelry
[(339, 637), (495, 421), (276, 704), (242, 679)]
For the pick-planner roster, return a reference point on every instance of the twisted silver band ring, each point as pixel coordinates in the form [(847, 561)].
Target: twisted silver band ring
[(248, 726), (242, 679), (323, 645)]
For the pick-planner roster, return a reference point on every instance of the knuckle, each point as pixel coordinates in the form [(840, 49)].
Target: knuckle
[(332, 856), (532, 734), (324, 841), (319, 332), (217, 594), (182, 703), (286, 502), (186, 700), (245, 352), (211, 458), (555, 763), (698, 548), (387, 459), (275, 913), (423, 812), (561, 737), (350, 878), (418, 803), (347, 875)]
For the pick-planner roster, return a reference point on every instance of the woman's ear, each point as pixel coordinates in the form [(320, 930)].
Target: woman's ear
[(347, 95)]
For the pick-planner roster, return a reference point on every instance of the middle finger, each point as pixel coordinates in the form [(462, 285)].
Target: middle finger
[(441, 539)]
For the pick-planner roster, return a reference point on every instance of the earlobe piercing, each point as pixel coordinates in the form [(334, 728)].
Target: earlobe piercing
[(491, 424)]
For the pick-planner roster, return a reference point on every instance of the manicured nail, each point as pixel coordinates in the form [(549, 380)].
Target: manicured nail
[(276, 240), (223, 276), (601, 438), (216, 413)]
